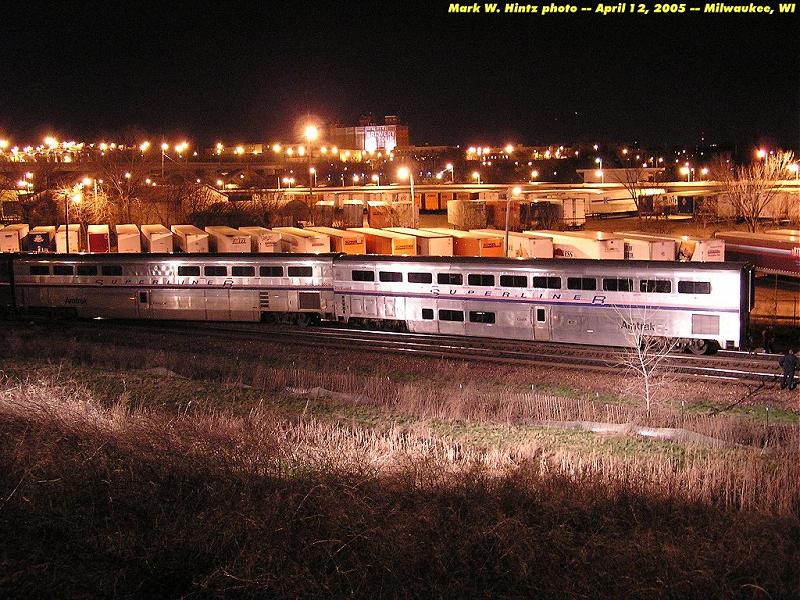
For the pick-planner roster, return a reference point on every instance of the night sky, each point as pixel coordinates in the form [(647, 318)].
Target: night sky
[(251, 71)]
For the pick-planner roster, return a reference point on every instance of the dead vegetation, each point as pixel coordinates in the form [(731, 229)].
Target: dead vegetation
[(233, 479)]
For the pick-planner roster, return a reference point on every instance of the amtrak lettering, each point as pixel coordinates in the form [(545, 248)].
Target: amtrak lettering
[(638, 326)]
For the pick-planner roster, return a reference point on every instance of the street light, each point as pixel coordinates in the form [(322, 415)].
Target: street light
[(477, 176), (449, 167), (686, 171), (515, 192), (376, 177), (402, 173), (311, 133), (164, 148), (76, 197), (313, 172), (599, 172), (355, 179)]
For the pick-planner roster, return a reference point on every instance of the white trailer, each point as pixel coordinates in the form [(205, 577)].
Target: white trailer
[(129, 240), (74, 238), (692, 249), (428, 242), (190, 239), (583, 244), (12, 237), (304, 241), (521, 245), (638, 247), (157, 238), (263, 239), (228, 239)]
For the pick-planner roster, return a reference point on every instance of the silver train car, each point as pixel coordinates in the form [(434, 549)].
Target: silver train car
[(702, 305), (292, 288)]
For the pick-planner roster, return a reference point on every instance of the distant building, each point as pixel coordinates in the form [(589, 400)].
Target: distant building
[(370, 136)]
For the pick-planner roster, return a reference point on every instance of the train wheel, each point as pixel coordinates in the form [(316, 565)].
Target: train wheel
[(698, 347), (303, 320)]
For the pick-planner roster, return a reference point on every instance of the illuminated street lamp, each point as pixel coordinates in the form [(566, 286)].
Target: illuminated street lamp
[(313, 172), (355, 179), (311, 133), (449, 167), (599, 172), (514, 192), (164, 148), (686, 171), (76, 198), (376, 177), (476, 176), (534, 174), (761, 153), (402, 173)]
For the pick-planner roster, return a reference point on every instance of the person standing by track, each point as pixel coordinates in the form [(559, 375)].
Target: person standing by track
[(789, 364)]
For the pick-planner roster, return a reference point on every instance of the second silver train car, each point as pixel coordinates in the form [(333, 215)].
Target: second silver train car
[(576, 301)]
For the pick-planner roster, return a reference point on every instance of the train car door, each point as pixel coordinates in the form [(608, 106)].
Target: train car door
[(143, 303), (541, 323)]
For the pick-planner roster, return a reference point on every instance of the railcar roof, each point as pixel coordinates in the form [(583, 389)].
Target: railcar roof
[(129, 257), (551, 263)]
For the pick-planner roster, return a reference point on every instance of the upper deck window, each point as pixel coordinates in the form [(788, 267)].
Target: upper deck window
[(363, 275), (450, 278), (186, 271), (215, 271), (658, 286), (63, 270), (300, 271), (480, 280), (420, 278), (271, 271), (517, 281), (552, 283), (694, 287), (581, 283)]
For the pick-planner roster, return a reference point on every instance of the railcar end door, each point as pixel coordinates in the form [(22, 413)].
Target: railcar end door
[(541, 323), (143, 303)]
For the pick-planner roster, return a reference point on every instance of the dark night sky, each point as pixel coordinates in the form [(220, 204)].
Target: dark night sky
[(240, 73)]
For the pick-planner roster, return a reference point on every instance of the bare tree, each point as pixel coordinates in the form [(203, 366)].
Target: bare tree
[(644, 357), (637, 182), (751, 189)]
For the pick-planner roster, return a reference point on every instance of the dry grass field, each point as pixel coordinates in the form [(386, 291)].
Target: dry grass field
[(148, 468)]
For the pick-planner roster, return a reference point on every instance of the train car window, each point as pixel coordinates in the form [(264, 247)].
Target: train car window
[(613, 284), (552, 283), (40, 270), (63, 270), (184, 271), (451, 315), (243, 271), (450, 278), (658, 286), (362, 275), (694, 287), (87, 270), (540, 315), (581, 283), (427, 314), (270, 271), (519, 281), (300, 271), (480, 280), (390, 276), (420, 278), (476, 316), (111, 270), (215, 271)]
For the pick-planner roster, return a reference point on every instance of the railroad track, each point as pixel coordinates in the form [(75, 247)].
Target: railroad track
[(724, 366)]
